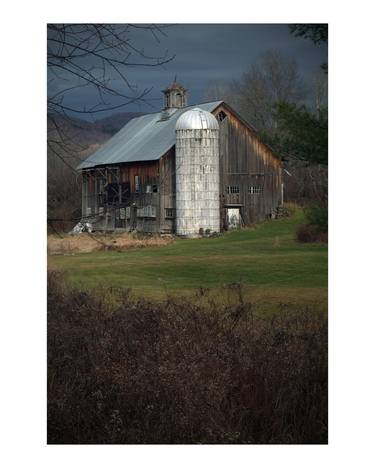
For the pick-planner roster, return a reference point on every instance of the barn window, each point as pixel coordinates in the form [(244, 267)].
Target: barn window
[(152, 188), (125, 190), (136, 183), (255, 189), (233, 189), (101, 198), (113, 175), (221, 116), (169, 213), (112, 193), (147, 212), (101, 184)]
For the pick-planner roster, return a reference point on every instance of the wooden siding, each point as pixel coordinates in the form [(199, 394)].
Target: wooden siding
[(148, 173), (246, 162)]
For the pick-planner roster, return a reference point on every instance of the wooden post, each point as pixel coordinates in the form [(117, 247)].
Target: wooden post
[(133, 217)]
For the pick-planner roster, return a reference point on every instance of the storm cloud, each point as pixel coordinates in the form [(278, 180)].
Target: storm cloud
[(203, 53)]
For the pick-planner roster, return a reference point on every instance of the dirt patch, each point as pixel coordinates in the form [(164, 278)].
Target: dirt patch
[(85, 243)]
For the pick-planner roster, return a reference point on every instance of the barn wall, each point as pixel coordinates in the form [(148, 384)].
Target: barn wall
[(148, 175), (246, 162)]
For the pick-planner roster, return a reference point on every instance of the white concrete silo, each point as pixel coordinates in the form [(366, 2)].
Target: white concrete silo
[(197, 173)]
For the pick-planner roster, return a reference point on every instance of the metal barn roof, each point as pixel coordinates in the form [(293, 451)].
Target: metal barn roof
[(145, 138)]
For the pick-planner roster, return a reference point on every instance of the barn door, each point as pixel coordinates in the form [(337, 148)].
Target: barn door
[(233, 218)]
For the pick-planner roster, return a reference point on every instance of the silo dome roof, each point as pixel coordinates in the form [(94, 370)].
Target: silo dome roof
[(197, 119)]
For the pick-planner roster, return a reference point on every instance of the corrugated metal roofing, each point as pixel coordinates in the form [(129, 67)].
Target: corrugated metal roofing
[(145, 138)]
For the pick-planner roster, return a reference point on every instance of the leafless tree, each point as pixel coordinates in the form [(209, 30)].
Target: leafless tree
[(95, 57), (219, 90), (320, 83), (94, 60), (272, 78)]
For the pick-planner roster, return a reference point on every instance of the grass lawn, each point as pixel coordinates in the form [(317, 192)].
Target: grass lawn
[(270, 264)]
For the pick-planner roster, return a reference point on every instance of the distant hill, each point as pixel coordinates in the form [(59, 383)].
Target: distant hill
[(114, 123), (88, 134)]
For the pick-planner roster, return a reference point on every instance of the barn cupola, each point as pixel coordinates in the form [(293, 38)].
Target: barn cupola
[(175, 96)]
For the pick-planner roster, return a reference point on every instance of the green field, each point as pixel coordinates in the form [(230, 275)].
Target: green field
[(266, 260)]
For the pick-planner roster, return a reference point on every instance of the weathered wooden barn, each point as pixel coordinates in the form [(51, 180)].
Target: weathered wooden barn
[(130, 182)]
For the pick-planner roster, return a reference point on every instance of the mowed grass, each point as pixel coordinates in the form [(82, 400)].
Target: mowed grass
[(266, 260)]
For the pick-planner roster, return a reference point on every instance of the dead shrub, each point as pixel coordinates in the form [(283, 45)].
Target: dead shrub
[(175, 372), (307, 233)]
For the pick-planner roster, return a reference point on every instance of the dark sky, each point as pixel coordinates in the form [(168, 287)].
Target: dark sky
[(206, 52)]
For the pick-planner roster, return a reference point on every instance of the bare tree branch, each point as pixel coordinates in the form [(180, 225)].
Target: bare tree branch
[(95, 59)]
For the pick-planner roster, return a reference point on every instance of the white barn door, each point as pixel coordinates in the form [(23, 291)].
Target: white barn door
[(233, 218)]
